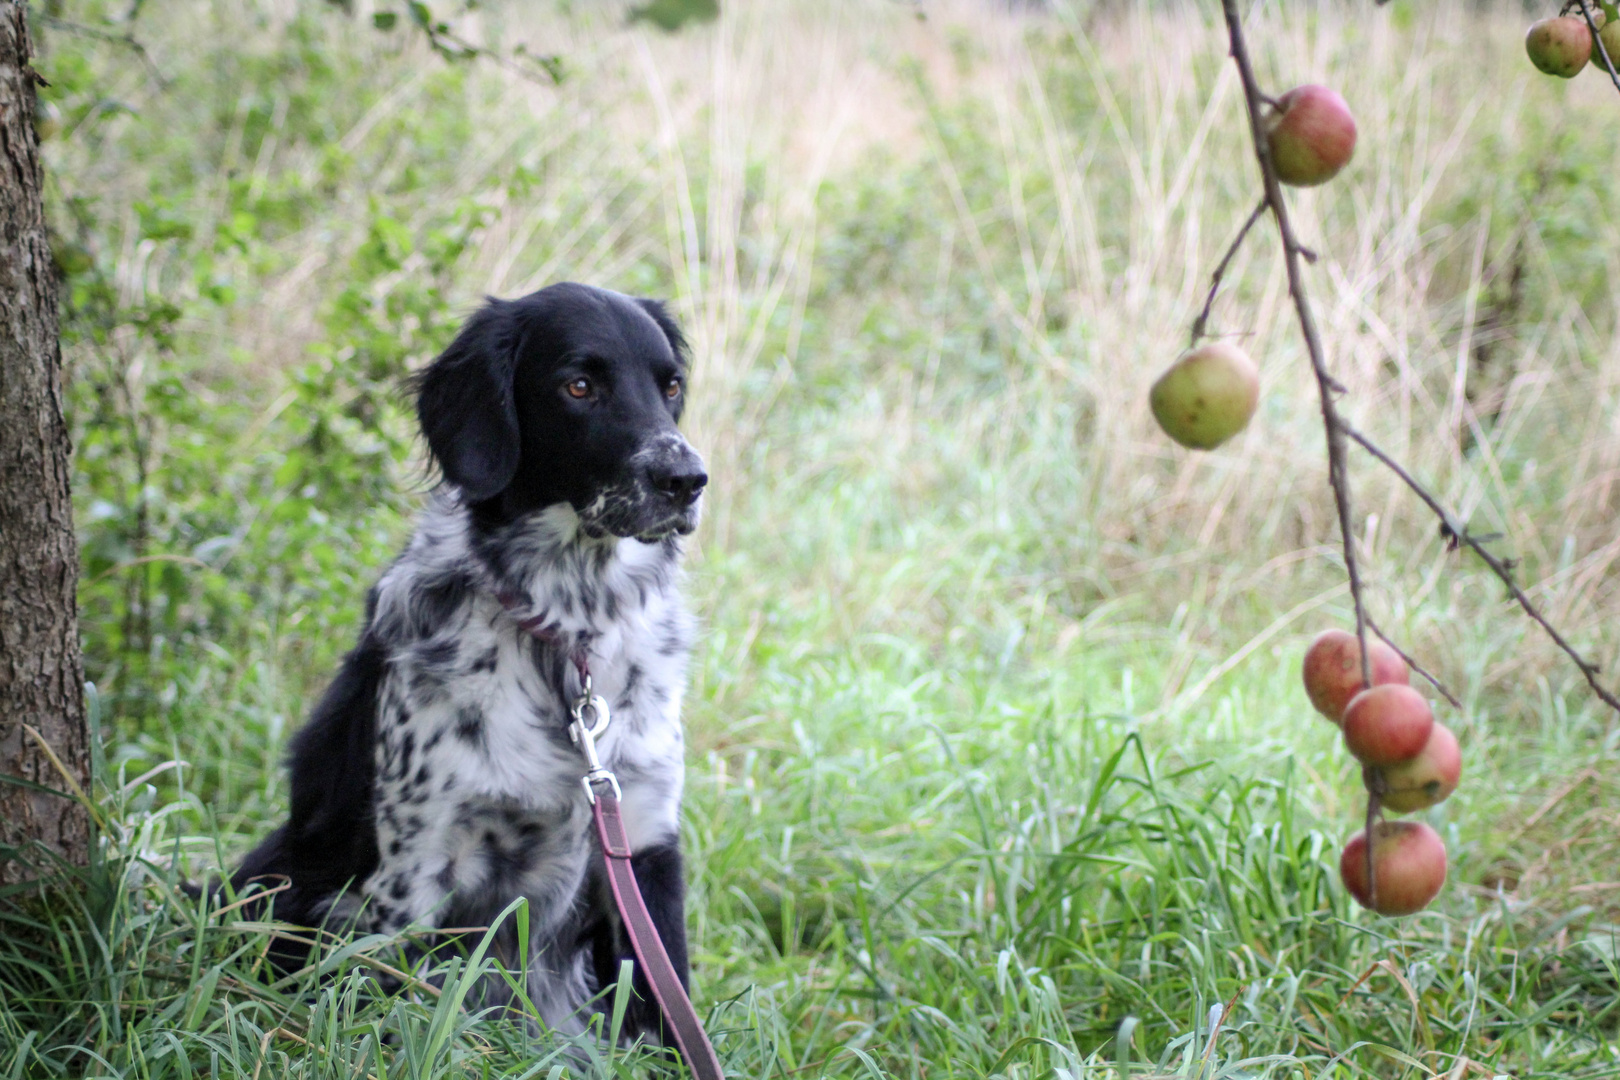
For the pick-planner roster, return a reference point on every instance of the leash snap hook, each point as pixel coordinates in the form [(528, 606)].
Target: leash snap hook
[(584, 733)]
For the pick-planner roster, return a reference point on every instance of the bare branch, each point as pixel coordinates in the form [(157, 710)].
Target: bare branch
[(1220, 272), (126, 39), (1457, 534), (1327, 387), (1415, 666)]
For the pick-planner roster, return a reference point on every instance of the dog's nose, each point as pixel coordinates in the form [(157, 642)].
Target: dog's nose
[(681, 480)]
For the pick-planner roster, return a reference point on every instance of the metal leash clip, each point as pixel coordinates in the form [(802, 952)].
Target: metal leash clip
[(584, 735)]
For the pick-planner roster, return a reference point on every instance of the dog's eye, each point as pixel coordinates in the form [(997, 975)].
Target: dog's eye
[(672, 389), (579, 388)]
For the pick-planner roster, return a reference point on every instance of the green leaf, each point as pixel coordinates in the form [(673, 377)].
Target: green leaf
[(671, 15)]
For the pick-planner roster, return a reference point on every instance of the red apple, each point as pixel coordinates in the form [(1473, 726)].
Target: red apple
[(1427, 779), (1409, 866), (1311, 134), (1206, 396), (1332, 670), (1385, 725), (1559, 46)]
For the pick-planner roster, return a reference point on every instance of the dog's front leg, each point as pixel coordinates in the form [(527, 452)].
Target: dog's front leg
[(659, 877)]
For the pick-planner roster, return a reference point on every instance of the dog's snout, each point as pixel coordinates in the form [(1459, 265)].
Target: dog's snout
[(683, 483), (680, 476)]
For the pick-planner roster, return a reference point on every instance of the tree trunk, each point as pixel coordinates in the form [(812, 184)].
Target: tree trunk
[(41, 675)]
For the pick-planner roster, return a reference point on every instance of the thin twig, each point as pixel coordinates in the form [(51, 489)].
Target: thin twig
[(1220, 272), (1415, 666), (1457, 534), (1327, 386), (1597, 44), (126, 39)]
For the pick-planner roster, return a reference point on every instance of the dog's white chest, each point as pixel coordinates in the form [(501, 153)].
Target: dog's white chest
[(487, 713), (475, 767)]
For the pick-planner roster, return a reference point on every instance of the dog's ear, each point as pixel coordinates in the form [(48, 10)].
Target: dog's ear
[(677, 340), (666, 322), (464, 401)]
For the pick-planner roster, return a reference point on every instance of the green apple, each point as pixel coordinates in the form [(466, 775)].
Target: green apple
[(1207, 396)]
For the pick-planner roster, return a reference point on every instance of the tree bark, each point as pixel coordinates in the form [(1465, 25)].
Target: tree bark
[(41, 674)]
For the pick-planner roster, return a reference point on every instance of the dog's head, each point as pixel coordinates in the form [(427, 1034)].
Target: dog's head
[(570, 394)]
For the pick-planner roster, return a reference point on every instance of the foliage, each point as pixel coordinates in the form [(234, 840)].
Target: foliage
[(1000, 767)]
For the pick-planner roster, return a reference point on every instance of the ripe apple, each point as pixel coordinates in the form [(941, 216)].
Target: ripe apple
[(1559, 46), (1409, 866), (1332, 670), (1388, 724), (1206, 396), (1427, 779), (1311, 134)]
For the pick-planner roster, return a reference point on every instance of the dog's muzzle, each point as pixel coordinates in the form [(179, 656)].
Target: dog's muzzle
[(661, 493)]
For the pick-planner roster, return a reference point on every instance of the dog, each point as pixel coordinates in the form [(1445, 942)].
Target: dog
[(435, 780)]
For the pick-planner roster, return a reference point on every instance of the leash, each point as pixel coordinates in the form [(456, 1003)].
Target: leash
[(602, 790)]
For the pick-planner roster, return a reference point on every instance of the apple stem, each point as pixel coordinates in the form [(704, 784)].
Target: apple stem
[(1327, 386), (1597, 44)]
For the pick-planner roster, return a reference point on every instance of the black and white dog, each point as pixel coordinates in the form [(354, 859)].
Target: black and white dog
[(435, 781)]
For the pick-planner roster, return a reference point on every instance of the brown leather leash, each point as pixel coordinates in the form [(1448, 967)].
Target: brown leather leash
[(602, 789)]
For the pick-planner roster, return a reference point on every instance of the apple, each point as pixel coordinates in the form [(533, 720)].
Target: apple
[(1332, 670), (1311, 134), (1559, 46), (1388, 724), (1206, 396), (1427, 779), (1409, 866)]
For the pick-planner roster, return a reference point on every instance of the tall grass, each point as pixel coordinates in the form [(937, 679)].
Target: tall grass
[(1000, 766)]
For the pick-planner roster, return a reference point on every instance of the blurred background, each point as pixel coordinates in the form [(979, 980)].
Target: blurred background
[(999, 760)]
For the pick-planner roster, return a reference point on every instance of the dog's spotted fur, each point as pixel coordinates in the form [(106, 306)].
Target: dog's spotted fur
[(436, 781)]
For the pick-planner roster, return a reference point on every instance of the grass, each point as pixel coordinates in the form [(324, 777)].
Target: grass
[(999, 763)]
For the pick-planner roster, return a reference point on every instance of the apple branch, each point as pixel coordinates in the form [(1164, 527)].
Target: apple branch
[(1598, 49), (1457, 535), (1327, 386), (1339, 432)]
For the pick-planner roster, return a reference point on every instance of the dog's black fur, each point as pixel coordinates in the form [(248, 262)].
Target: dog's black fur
[(434, 781)]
